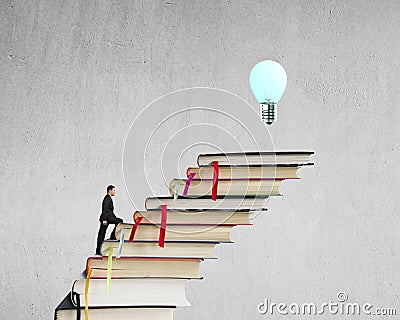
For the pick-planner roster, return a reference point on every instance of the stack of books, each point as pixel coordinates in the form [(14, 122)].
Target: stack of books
[(142, 274)]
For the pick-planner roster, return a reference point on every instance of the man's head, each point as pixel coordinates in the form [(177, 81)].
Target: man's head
[(111, 190)]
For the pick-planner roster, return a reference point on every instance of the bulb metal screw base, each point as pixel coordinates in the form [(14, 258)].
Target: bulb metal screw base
[(267, 111)]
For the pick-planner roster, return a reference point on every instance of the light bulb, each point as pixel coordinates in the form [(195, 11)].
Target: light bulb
[(268, 82)]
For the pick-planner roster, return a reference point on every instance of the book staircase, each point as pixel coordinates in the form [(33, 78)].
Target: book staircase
[(142, 275)]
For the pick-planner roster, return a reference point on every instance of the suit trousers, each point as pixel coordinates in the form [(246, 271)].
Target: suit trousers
[(102, 232)]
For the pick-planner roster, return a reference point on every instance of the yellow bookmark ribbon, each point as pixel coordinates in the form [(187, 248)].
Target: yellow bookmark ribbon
[(121, 242), (86, 293), (110, 252)]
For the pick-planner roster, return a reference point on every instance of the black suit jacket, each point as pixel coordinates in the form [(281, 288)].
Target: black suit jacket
[(107, 209)]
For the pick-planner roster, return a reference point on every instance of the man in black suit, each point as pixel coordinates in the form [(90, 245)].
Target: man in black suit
[(107, 217)]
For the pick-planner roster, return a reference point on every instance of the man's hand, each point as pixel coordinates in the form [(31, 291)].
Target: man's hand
[(104, 222)]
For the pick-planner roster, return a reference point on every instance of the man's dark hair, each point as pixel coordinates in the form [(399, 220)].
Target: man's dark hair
[(110, 187)]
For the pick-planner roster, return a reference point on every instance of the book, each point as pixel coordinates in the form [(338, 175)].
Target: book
[(298, 158), (205, 217), (206, 172), (173, 249), (132, 292), (226, 187), (218, 233), (148, 281), (206, 203), (66, 310), (146, 267)]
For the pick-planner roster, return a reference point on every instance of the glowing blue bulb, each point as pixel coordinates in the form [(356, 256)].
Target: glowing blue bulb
[(268, 82)]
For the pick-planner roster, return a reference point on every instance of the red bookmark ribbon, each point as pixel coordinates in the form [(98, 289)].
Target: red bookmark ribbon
[(137, 220), (215, 180), (163, 225), (188, 181)]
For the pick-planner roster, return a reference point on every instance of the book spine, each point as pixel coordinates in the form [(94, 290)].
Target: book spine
[(187, 171), (78, 306)]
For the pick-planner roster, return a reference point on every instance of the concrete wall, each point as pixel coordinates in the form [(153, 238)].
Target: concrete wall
[(74, 74)]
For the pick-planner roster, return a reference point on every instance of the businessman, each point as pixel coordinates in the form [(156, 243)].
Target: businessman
[(107, 217)]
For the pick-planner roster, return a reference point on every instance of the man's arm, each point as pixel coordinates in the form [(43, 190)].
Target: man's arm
[(107, 207)]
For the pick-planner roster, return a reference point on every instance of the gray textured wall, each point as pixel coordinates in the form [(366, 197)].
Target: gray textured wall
[(74, 75)]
